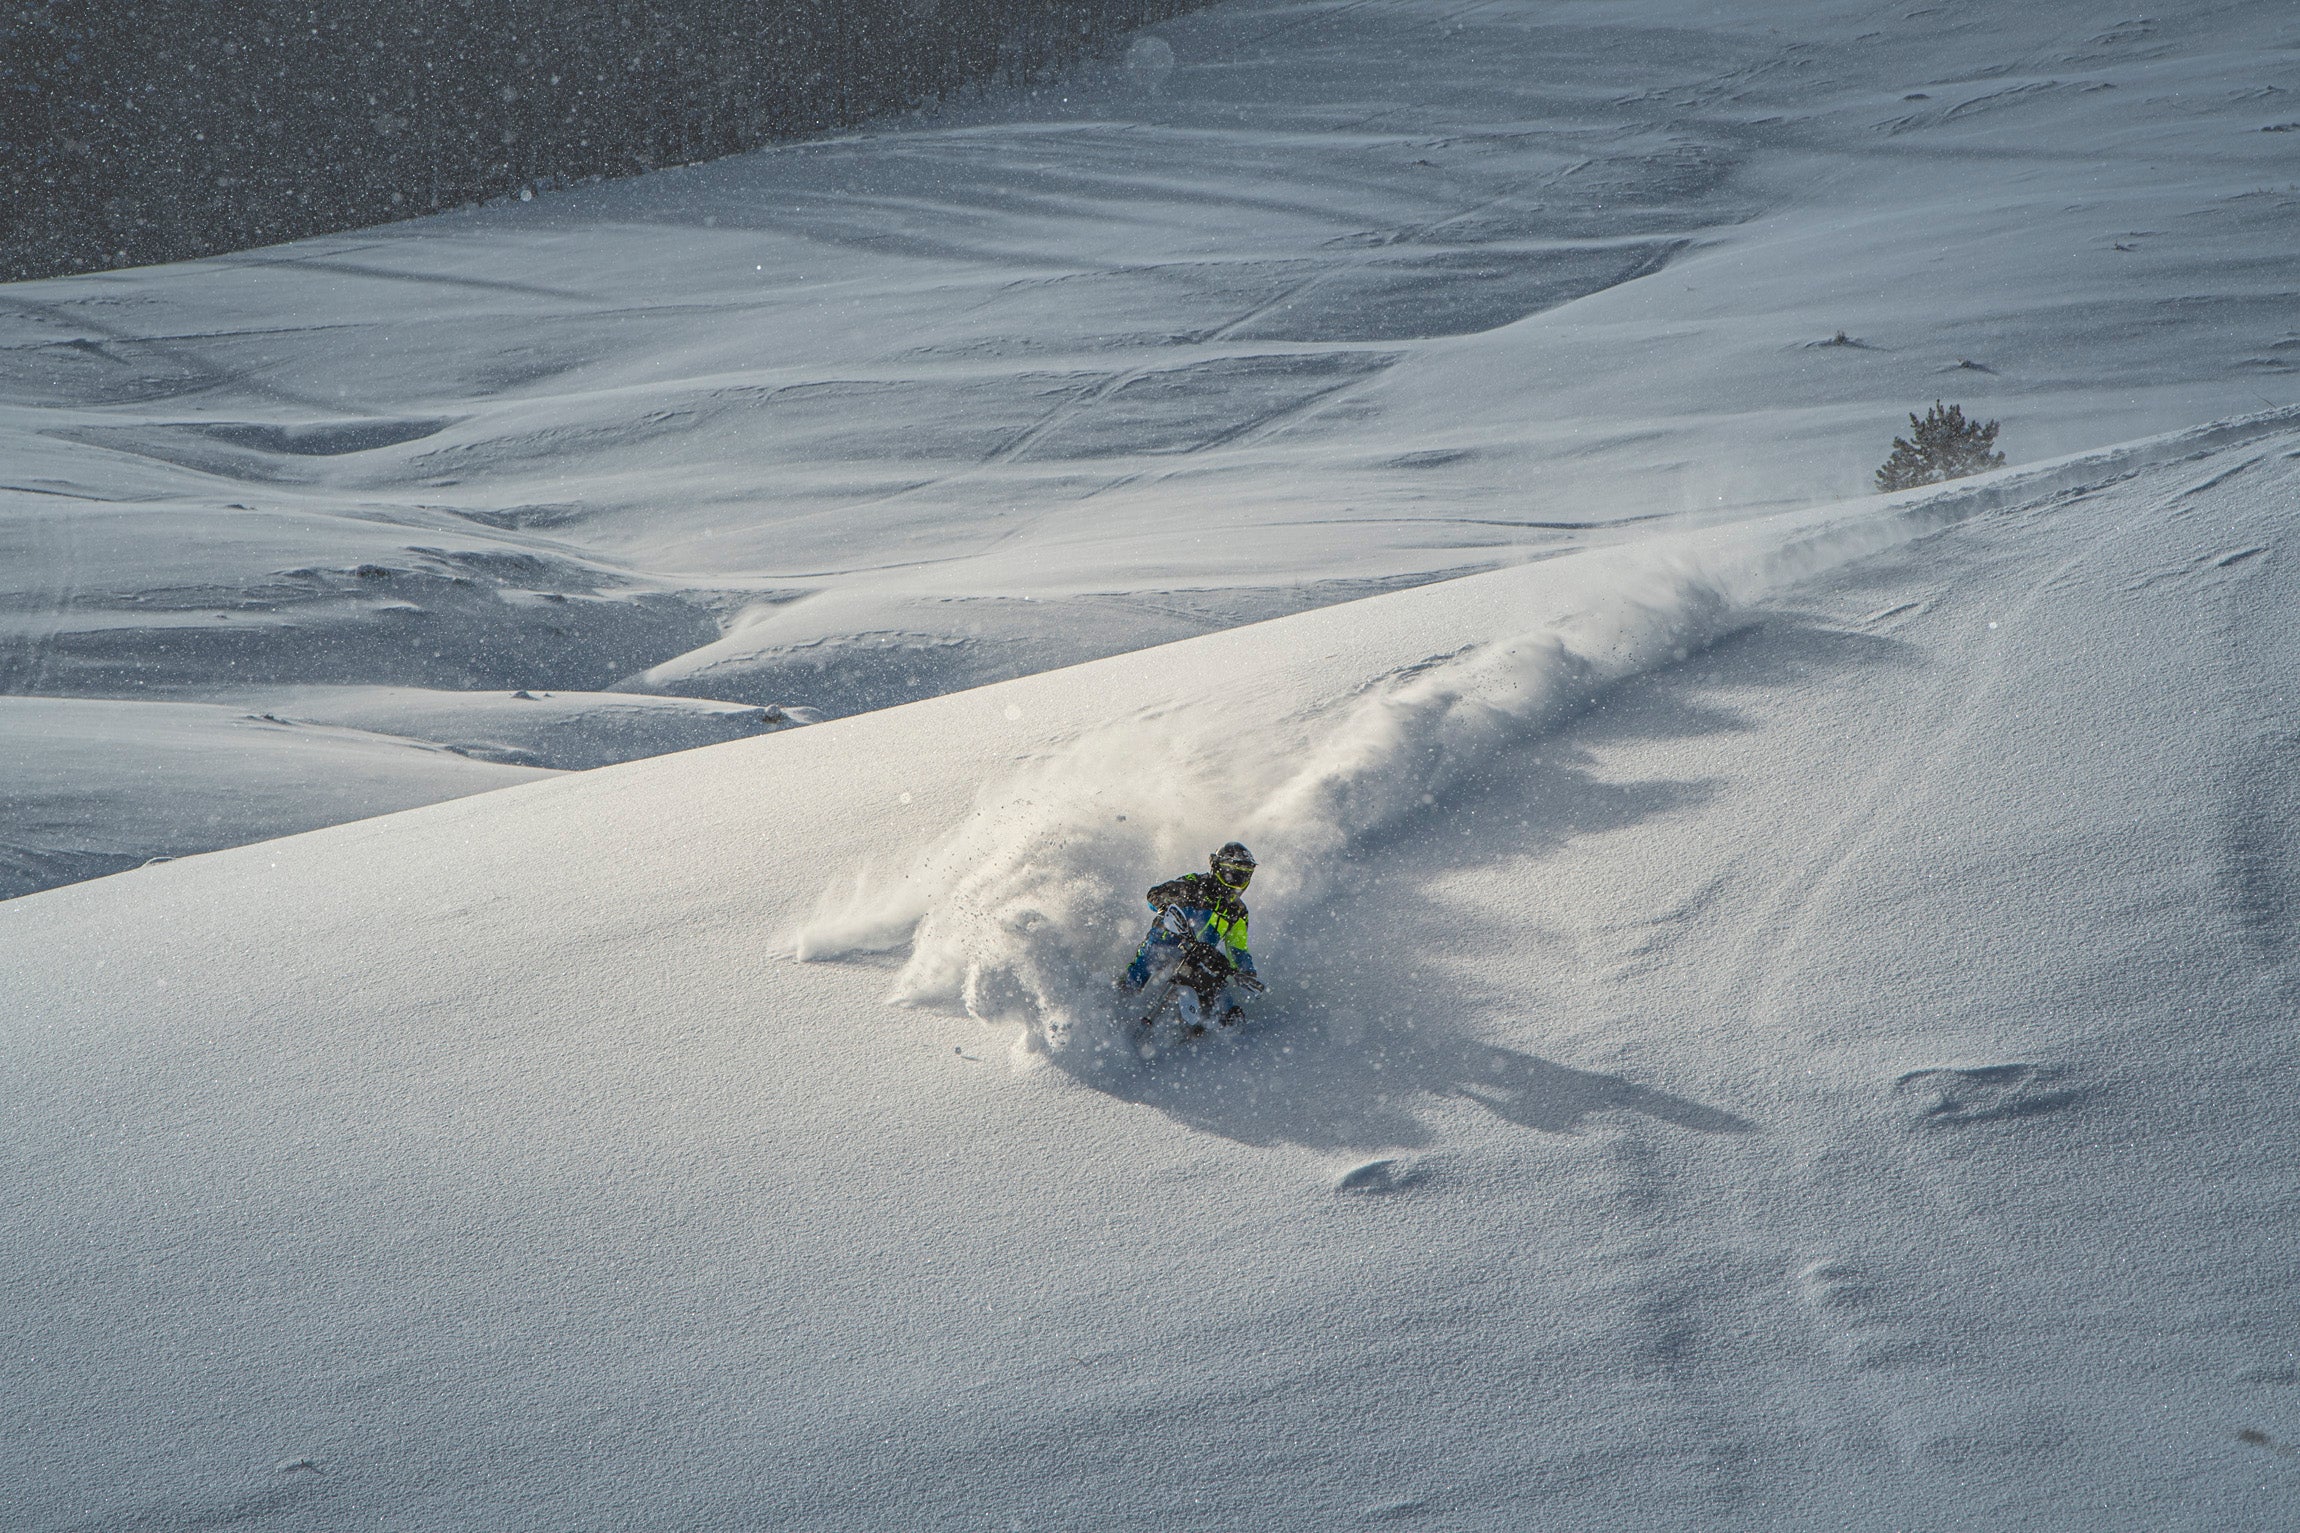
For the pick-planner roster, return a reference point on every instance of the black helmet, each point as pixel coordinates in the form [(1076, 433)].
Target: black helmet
[(1233, 865)]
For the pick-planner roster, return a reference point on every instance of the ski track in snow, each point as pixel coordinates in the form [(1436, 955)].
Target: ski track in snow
[(1038, 378)]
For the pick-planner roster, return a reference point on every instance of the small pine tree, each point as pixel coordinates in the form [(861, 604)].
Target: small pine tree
[(1943, 445)]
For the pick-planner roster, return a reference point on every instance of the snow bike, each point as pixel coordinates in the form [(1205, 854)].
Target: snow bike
[(1201, 971)]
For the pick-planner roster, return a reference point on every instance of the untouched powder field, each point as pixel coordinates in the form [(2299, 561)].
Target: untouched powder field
[(1311, 300), (1786, 1025)]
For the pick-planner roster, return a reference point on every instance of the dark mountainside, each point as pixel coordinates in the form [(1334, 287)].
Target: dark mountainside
[(136, 134)]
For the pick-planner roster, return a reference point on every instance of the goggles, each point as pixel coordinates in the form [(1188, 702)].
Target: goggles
[(1237, 875)]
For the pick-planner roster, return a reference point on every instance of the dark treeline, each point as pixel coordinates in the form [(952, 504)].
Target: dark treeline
[(134, 131)]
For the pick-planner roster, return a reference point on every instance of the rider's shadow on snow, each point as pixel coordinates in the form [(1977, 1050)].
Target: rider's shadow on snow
[(1375, 1020), (1370, 1028), (1302, 1080)]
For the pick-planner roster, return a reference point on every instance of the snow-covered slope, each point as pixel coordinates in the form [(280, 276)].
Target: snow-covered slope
[(92, 786), (1786, 1026), (1352, 296)]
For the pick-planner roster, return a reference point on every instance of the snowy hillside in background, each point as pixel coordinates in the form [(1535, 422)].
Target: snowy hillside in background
[(1836, 1079), (1351, 296)]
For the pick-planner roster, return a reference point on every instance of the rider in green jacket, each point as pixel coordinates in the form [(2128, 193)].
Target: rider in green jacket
[(1199, 940)]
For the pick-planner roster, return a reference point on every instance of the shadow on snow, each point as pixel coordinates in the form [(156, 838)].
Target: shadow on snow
[(1375, 1019)]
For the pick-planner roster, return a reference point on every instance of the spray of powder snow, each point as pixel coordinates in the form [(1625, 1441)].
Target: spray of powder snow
[(1019, 912), (1024, 911)]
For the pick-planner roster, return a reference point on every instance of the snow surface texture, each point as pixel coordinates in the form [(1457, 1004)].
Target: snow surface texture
[(1293, 303), (1838, 1079), (93, 786)]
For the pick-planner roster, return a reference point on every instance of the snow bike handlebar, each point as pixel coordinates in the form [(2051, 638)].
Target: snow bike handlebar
[(1205, 955), (1195, 949)]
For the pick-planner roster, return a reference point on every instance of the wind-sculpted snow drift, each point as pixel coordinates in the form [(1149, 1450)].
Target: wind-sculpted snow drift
[(1023, 912)]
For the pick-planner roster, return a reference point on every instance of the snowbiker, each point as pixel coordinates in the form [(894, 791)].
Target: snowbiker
[(1198, 942)]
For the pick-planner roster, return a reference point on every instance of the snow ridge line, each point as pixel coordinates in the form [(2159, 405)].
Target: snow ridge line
[(2005, 487), (1022, 912)]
